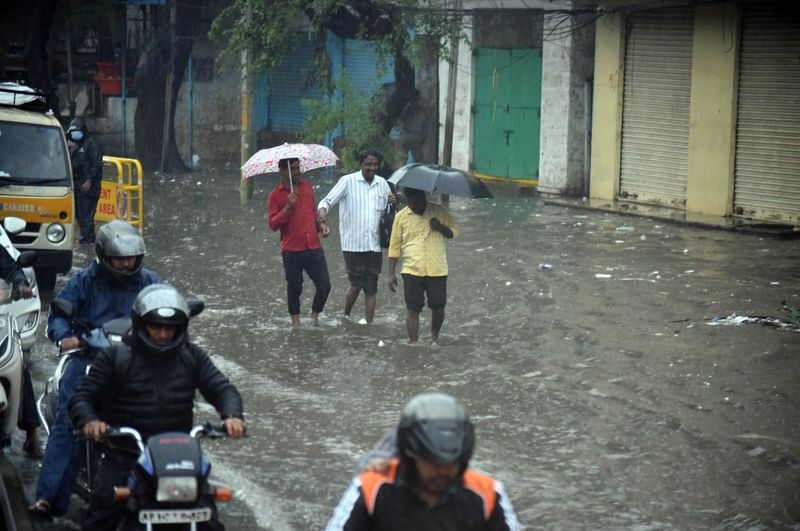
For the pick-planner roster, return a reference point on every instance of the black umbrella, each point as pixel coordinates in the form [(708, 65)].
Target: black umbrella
[(440, 179)]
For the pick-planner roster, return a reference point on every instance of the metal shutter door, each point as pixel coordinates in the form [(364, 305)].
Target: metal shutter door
[(767, 171), (655, 114), (360, 63), (286, 87)]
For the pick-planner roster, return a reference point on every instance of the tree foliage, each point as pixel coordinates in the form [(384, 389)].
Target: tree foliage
[(399, 29), (264, 28)]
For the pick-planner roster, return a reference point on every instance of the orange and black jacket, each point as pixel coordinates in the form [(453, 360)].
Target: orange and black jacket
[(384, 501)]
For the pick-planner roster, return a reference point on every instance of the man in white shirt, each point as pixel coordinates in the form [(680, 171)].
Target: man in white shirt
[(364, 197)]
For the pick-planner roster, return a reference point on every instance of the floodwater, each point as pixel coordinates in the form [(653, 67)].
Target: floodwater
[(604, 394)]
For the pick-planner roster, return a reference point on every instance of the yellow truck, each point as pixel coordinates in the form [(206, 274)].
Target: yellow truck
[(36, 180)]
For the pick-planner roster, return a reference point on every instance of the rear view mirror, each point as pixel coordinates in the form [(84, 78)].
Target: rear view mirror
[(196, 307), (14, 225)]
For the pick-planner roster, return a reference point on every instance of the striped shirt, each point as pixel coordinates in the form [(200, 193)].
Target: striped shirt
[(362, 205)]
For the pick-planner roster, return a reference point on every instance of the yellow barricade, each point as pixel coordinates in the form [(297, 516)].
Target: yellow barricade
[(121, 192)]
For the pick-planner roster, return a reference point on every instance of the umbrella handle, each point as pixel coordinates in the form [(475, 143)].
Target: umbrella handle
[(291, 186)]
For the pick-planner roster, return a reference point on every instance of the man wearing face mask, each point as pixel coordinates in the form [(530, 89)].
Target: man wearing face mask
[(87, 172)]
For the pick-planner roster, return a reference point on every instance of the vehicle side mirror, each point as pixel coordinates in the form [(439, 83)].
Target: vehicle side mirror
[(62, 308), (196, 307), (27, 258), (14, 225)]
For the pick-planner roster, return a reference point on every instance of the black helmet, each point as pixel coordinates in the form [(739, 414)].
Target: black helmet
[(119, 239), (436, 428), (159, 304)]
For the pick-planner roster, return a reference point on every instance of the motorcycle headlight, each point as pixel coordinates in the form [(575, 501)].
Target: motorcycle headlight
[(55, 232), (176, 489)]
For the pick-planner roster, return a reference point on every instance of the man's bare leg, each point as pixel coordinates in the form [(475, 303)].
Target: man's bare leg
[(295, 319), (412, 325), (350, 299), (437, 318), (370, 302)]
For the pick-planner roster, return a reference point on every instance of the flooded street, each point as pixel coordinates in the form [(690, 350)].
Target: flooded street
[(603, 393)]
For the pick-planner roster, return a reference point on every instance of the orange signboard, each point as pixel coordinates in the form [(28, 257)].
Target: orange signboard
[(38, 209)]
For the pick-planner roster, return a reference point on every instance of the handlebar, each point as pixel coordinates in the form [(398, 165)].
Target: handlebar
[(200, 431)]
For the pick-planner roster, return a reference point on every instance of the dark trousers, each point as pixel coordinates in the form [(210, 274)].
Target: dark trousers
[(28, 417), (85, 206), (313, 263), (105, 514)]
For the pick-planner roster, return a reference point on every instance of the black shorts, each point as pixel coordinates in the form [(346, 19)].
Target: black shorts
[(415, 288), (363, 269)]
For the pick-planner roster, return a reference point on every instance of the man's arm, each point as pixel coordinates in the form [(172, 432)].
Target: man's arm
[(444, 224), (215, 387), (96, 160), (14, 275), (395, 250), (59, 328), (351, 512), (278, 210), (338, 191), (93, 391), (503, 517)]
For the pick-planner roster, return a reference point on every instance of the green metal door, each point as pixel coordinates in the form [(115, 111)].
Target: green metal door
[(506, 113)]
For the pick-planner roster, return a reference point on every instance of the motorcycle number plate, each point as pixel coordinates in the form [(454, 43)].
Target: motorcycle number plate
[(174, 516)]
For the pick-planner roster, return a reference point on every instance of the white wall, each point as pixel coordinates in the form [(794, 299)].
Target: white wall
[(462, 129), (566, 67)]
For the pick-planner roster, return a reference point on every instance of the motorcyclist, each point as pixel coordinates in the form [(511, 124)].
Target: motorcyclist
[(429, 485), (103, 291), (28, 419), (148, 382), (87, 172)]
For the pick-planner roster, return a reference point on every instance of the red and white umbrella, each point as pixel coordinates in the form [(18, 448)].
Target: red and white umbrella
[(311, 156)]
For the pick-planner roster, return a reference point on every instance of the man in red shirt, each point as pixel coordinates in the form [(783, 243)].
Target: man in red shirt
[(291, 208)]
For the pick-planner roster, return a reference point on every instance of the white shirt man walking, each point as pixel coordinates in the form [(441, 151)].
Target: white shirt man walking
[(363, 196)]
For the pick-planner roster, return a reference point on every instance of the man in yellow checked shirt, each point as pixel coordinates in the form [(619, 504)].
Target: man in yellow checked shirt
[(418, 235)]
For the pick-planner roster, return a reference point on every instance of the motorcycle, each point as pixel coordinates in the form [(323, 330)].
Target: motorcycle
[(169, 483), (11, 358), (92, 340)]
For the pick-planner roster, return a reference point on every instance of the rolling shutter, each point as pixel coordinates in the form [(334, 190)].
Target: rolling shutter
[(655, 116), (767, 171), (361, 65), (286, 87)]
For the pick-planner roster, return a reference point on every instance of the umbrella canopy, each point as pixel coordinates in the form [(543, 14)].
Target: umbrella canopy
[(311, 156), (441, 179)]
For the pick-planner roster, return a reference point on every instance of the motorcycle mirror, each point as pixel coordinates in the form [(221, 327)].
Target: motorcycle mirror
[(196, 307), (62, 308), (14, 225), (27, 258)]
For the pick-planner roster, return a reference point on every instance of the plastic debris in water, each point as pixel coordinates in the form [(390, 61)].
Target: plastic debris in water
[(544, 266), (381, 343), (362, 321), (508, 283)]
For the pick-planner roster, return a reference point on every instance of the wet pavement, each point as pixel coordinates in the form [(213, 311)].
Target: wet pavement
[(608, 390)]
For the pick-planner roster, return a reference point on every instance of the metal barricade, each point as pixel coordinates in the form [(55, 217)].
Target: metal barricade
[(121, 192)]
